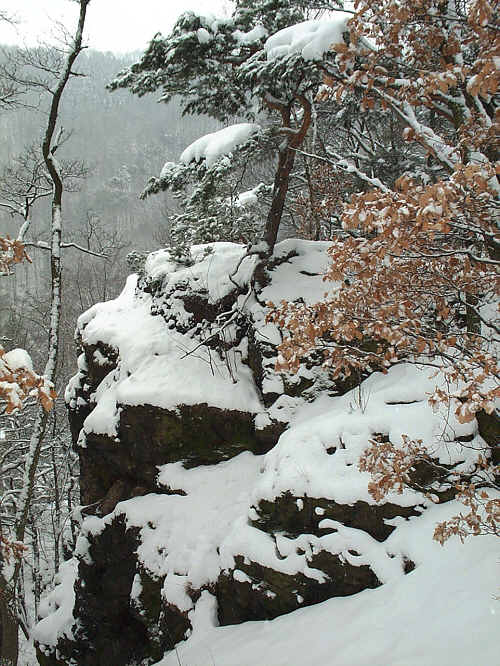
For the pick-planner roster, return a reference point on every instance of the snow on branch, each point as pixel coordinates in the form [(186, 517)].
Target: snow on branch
[(18, 381), (217, 144), (310, 39)]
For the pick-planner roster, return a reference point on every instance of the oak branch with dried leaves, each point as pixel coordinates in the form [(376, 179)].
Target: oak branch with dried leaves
[(416, 265), (11, 252), (18, 382)]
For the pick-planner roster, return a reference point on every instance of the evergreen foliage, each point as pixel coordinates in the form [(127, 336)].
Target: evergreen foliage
[(219, 67)]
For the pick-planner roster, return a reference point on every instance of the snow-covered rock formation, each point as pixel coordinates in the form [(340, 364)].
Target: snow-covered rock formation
[(218, 490)]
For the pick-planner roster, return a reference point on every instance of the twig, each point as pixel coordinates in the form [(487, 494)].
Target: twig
[(216, 333)]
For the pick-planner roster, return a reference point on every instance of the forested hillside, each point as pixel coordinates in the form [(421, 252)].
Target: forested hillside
[(119, 142)]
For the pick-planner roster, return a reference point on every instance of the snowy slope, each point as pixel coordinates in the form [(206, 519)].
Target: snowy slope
[(443, 613)]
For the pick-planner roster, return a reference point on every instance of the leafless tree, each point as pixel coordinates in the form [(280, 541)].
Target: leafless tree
[(11, 606)]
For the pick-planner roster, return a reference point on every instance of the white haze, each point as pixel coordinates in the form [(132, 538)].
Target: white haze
[(112, 25)]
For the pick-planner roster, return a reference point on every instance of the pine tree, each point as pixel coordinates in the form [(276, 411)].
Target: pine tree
[(229, 68)]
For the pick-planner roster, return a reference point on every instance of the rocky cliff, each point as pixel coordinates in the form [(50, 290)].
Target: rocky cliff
[(219, 491)]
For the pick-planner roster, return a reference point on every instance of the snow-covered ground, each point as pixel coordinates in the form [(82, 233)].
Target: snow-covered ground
[(444, 613)]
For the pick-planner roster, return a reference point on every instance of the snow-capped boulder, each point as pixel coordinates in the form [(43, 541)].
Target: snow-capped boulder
[(214, 481)]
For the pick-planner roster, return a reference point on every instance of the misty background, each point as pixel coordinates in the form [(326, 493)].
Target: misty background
[(121, 141)]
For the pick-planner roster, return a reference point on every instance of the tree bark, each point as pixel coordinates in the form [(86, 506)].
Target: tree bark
[(286, 161), (281, 180), (9, 646)]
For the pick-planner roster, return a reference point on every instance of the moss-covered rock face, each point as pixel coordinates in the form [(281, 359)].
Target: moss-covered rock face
[(196, 434), (149, 437), (122, 616), (100, 359), (165, 624), (118, 467), (489, 429), (303, 515), (95, 362), (108, 574), (102, 604), (251, 591), (123, 612)]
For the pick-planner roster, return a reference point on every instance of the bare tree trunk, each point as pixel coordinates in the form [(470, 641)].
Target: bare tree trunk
[(37, 578), (9, 646), (8, 601), (56, 519), (49, 147), (281, 180), (286, 161), (72, 522)]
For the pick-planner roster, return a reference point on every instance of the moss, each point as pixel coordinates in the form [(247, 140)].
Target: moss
[(489, 428), (149, 436), (269, 435), (269, 593), (149, 600), (166, 625), (297, 515), (111, 629), (47, 659), (97, 371), (107, 633), (196, 434), (296, 388)]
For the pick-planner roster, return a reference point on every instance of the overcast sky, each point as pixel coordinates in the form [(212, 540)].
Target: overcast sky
[(112, 25)]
